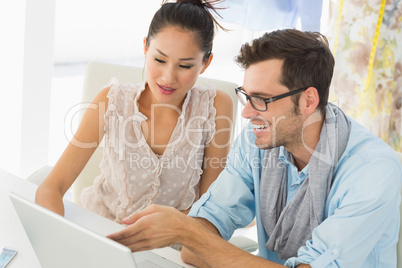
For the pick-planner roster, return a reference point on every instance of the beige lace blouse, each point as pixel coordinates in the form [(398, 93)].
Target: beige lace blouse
[(132, 175)]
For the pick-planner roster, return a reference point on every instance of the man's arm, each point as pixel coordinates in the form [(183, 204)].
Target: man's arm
[(159, 226), (226, 254), (191, 258)]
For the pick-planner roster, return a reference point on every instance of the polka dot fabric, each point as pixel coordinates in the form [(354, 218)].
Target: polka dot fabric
[(132, 175)]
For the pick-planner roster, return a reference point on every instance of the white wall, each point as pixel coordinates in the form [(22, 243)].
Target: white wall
[(101, 29), (12, 26), (26, 54), (37, 79)]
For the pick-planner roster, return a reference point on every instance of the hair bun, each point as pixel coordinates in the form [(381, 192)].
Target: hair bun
[(199, 3), (207, 5)]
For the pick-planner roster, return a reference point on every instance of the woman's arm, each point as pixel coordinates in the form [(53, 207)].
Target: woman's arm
[(217, 150), (74, 158)]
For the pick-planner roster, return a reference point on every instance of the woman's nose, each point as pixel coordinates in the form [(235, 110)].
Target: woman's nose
[(170, 75)]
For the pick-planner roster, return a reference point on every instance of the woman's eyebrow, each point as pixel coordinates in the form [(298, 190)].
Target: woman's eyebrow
[(183, 59), (163, 54)]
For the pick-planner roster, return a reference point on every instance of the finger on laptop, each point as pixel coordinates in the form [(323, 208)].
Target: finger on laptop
[(134, 217), (127, 232), (135, 227), (156, 226)]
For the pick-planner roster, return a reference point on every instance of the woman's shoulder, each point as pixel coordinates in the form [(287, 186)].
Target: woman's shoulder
[(216, 93), (223, 103), (116, 90), (212, 97), (223, 97), (128, 87), (210, 92), (102, 95)]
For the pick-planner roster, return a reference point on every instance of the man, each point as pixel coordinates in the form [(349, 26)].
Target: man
[(324, 191)]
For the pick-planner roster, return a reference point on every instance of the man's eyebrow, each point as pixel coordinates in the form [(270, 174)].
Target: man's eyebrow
[(262, 95), (183, 59), (259, 94)]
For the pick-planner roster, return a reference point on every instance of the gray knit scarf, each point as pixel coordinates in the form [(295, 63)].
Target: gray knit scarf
[(290, 226)]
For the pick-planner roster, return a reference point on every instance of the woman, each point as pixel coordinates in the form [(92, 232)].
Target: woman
[(163, 137)]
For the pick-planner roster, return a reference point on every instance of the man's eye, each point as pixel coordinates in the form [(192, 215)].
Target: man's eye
[(257, 100), (160, 61)]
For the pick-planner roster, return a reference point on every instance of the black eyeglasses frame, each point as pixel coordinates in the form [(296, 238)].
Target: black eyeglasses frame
[(239, 90)]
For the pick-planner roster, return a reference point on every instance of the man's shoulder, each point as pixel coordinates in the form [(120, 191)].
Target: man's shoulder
[(365, 151), (368, 167), (362, 143)]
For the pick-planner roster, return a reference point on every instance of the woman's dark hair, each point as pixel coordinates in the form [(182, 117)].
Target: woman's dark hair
[(189, 15), (307, 58)]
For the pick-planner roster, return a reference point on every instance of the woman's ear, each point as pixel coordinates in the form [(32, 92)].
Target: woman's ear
[(145, 45), (311, 100), (207, 63)]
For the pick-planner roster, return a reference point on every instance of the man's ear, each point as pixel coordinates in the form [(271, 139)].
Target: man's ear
[(311, 99), (145, 45), (207, 63)]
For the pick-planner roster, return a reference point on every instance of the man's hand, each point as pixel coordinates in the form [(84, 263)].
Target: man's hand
[(160, 226), (154, 227)]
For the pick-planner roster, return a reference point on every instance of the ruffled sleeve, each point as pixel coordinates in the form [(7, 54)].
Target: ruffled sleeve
[(210, 123), (200, 117), (202, 100), (114, 86)]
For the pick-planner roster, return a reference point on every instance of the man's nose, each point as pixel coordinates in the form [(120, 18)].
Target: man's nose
[(248, 111)]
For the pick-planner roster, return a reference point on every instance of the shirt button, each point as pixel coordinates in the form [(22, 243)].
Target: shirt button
[(335, 252)]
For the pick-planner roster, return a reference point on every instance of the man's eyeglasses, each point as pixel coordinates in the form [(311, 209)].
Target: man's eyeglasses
[(261, 104)]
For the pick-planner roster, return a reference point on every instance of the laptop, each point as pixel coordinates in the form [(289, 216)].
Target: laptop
[(79, 241)]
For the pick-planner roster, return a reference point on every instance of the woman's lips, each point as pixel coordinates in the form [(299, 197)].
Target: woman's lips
[(166, 90)]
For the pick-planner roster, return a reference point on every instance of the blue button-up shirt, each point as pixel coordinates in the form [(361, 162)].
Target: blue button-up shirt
[(361, 218), (295, 178)]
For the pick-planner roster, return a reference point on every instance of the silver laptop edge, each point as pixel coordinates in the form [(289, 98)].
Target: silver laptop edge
[(60, 242)]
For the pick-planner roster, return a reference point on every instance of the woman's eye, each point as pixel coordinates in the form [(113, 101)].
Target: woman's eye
[(186, 66), (160, 61)]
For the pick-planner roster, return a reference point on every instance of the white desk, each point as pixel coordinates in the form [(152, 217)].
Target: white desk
[(12, 233)]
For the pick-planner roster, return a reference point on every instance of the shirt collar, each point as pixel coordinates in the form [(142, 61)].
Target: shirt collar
[(287, 159)]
